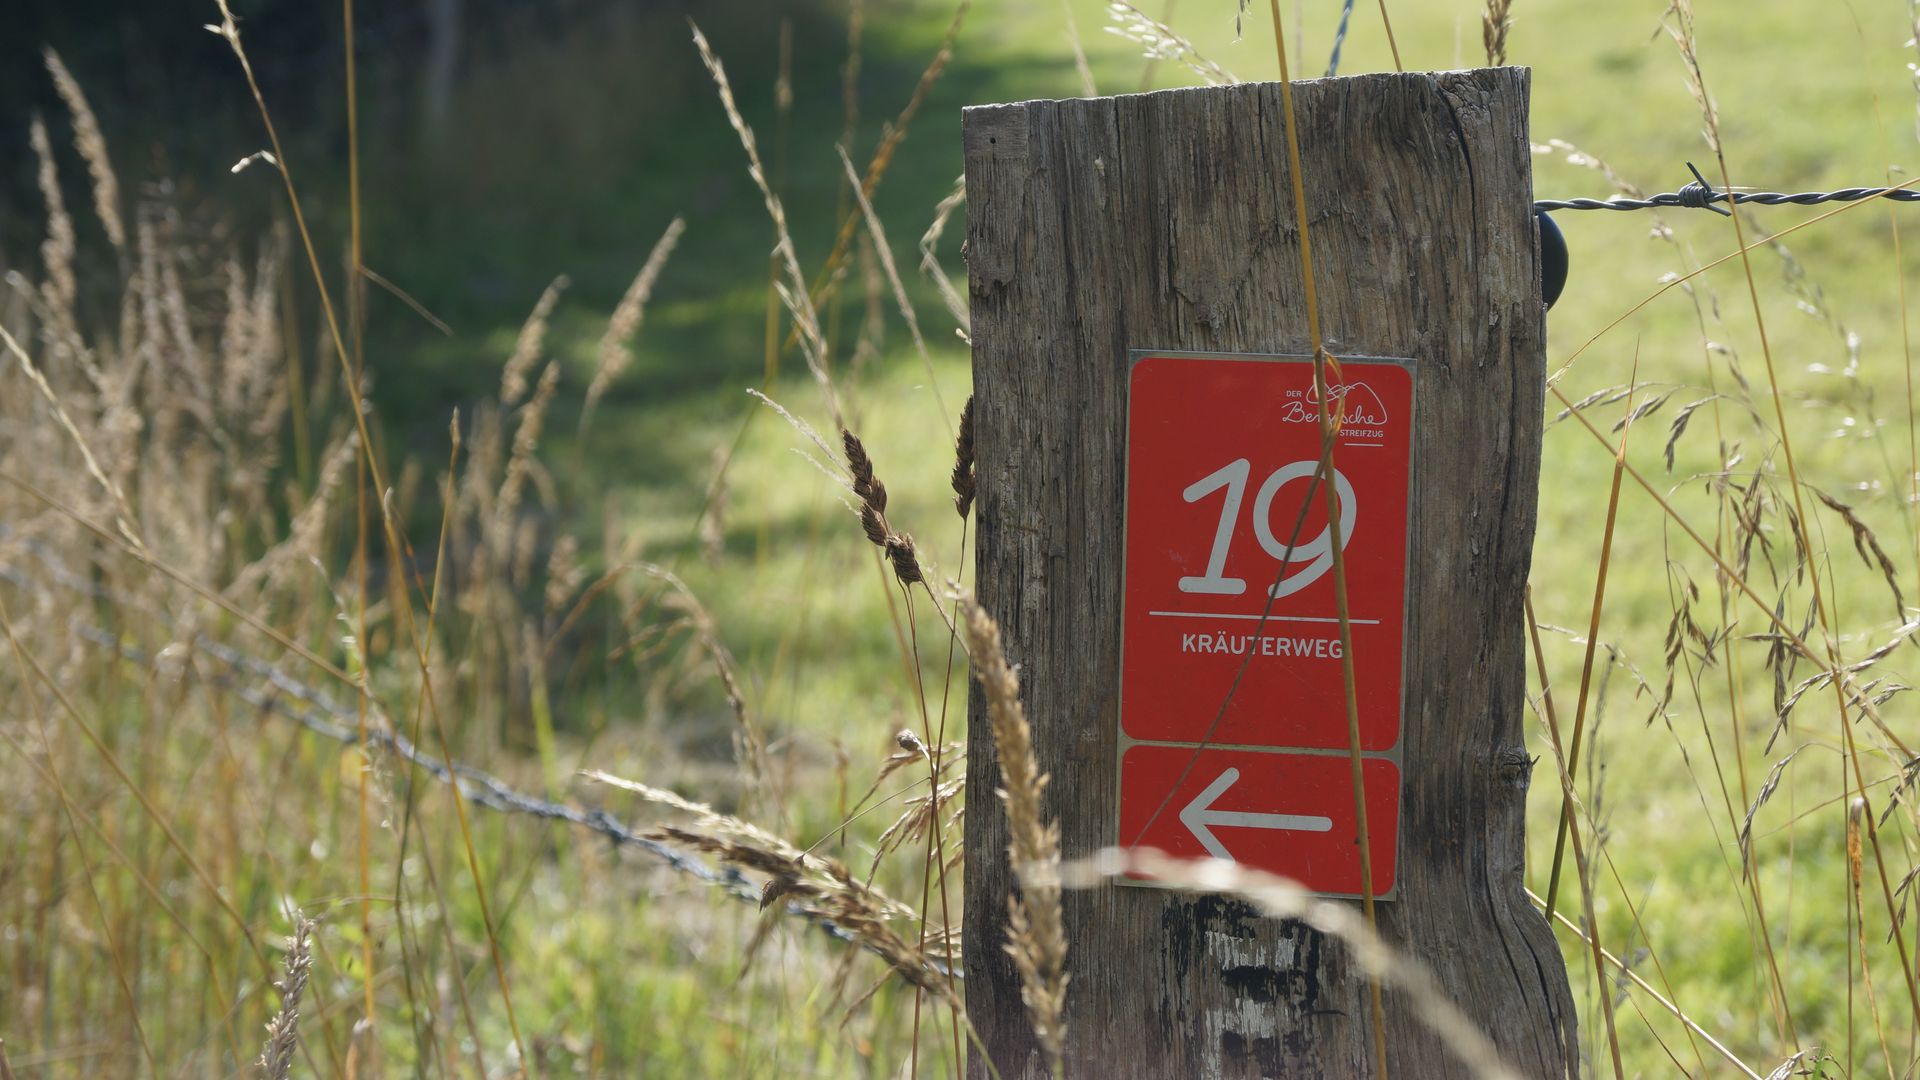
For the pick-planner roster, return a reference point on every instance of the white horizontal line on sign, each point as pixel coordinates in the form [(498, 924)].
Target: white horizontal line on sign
[(1257, 618)]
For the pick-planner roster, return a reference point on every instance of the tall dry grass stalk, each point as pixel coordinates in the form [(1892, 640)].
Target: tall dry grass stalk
[(751, 742), (526, 440), (1572, 763), (897, 546), (808, 884), (616, 345), (1825, 607), (891, 138), (1494, 24), (1158, 41), (59, 290), (1771, 546), (303, 543), (963, 479), (1080, 66), (930, 261), (124, 517), (1325, 368), (93, 149), (793, 289), (924, 812), (283, 1031), (528, 346), (884, 254), (1036, 935)]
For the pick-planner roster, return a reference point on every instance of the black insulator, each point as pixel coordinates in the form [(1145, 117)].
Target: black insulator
[(1553, 259)]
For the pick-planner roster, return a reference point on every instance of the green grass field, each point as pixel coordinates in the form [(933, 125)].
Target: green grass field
[(557, 648)]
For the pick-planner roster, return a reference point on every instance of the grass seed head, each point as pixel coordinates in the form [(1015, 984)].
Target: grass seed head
[(963, 474), (283, 1036)]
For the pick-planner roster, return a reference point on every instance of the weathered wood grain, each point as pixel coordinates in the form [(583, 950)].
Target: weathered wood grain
[(1165, 221)]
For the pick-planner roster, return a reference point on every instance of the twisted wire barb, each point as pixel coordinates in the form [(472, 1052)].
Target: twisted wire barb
[(1701, 195)]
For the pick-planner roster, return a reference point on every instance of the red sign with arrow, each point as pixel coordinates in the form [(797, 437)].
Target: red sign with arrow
[(1231, 628), (1289, 814)]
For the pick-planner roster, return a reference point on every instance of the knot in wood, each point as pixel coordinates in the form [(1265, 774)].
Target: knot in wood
[(1514, 766)]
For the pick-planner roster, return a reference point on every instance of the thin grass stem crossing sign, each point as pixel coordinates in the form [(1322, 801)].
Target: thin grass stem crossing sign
[(1233, 718)]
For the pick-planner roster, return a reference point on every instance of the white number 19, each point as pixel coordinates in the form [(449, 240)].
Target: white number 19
[(1316, 553)]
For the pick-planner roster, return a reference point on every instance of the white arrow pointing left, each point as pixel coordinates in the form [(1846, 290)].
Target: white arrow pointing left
[(1200, 818)]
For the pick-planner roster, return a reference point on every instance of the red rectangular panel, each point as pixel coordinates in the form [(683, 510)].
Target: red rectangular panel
[(1221, 454), (1289, 814)]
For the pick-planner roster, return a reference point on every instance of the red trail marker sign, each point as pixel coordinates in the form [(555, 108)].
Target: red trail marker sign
[(1233, 723)]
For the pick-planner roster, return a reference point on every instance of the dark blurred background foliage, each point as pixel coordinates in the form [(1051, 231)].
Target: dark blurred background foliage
[(503, 142)]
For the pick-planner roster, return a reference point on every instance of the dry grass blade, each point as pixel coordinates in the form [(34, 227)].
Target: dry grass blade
[(1606, 395), (1644, 409), (790, 871), (920, 813), (526, 348), (228, 30), (964, 478), (93, 149), (1037, 938), (726, 824), (123, 516), (930, 261), (412, 302), (872, 494), (1080, 66), (793, 291), (891, 137), (520, 464), (894, 762), (1570, 802), (1280, 898), (1631, 976), (1679, 425), (616, 350), (1859, 695), (1158, 41), (803, 428), (725, 669), (1494, 24), (1864, 542), (57, 250), (283, 1035), (1328, 424), (885, 255), (1681, 12), (1767, 788), (1575, 740)]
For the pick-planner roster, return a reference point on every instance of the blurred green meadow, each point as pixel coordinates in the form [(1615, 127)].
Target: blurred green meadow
[(571, 136)]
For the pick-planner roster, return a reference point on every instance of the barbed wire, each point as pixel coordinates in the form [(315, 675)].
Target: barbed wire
[(321, 713), (1339, 39), (1701, 195)]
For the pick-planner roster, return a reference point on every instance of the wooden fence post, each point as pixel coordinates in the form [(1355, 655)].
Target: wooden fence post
[(1164, 222)]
